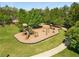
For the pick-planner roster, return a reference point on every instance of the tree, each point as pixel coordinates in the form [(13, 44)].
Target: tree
[(57, 16), (73, 15), (46, 15), (35, 17), (7, 14), (73, 37)]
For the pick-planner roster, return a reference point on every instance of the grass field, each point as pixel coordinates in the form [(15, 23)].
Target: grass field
[(67, 53), (9, 45)]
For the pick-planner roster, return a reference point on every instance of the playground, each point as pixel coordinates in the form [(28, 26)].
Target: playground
[(39, 34)]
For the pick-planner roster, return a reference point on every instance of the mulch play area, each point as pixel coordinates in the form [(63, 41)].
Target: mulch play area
[(41, 34)]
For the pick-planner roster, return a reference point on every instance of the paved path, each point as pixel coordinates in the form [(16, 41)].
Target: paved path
[(51, 52)]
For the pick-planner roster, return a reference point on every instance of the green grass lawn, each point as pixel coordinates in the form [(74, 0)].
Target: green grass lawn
[(67, 53), (9, 45)]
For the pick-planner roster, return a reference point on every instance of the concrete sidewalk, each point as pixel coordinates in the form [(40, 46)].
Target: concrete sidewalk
[(51, 52)]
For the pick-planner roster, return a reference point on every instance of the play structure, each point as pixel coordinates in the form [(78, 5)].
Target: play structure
[(30, 35)]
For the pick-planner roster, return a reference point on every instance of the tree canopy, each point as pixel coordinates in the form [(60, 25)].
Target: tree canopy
[(73, 37)]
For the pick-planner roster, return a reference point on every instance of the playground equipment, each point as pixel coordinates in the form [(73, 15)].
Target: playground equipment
[(46, 29), (27, 30), (35, 34)]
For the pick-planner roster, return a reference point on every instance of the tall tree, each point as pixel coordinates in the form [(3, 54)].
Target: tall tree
[(73, 15), (46, 15)]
